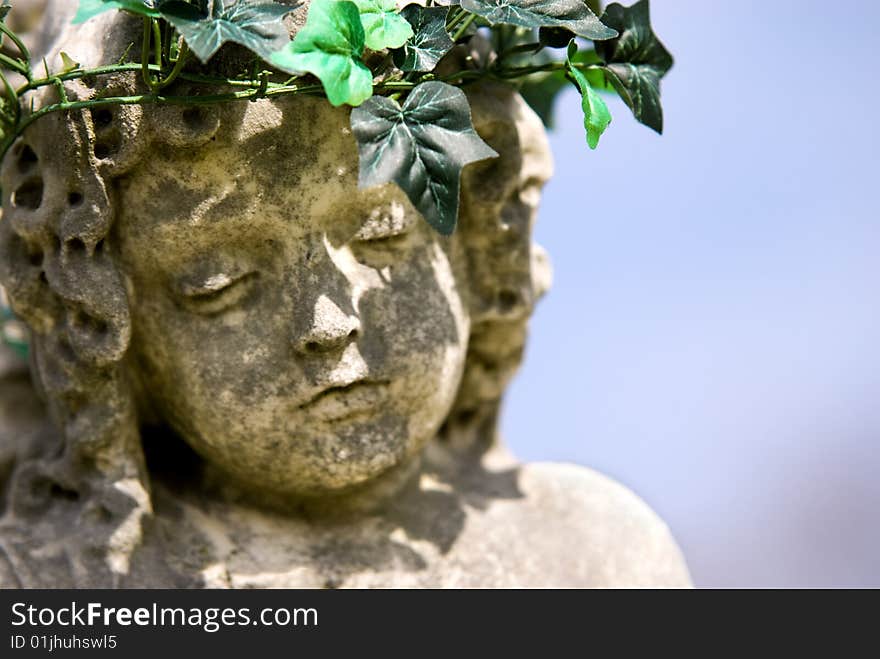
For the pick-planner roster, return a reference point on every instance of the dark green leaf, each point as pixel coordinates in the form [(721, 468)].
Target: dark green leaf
[(4, 9), (330, 46), (256, 25), (596, 114), (89, 8), (540, 91), (430, 41), (555, 37), (636, 61), (421, 146), (573, 15), (383, 26), (595, 6)]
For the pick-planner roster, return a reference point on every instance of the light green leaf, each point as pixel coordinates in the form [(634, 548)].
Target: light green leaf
[(636, 61), (422, 146), (430, 41), (330, 46), (89, 8), (383, 26), (596, 114), (256, 25), (67, 63), (574, 15)]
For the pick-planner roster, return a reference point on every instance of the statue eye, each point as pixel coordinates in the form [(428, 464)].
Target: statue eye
[(216, 293), (387, 225), (379, 249), (385, 239)]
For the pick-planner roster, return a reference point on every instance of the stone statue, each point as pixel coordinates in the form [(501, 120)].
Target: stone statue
[(252, 373)]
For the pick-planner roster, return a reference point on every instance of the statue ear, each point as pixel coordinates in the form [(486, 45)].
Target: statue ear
[(499, 202)]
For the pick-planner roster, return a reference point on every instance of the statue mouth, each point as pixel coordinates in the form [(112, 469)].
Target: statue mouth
[(342, 401)]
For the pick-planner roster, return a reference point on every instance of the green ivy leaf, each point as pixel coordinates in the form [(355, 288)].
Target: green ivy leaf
[(89, 8), (383, 26), (421, 146), (596, 114), (573, 15), (330, 46), (256, 25), (636, 61), (555, 37), (429, 43)]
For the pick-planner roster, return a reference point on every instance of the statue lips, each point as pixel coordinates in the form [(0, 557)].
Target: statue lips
[(341, 401)]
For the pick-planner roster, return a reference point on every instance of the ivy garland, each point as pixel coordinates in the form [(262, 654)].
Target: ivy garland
[(412, 123)]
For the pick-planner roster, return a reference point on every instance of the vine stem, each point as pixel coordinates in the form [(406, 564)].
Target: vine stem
[(13, 97), (157, 39), (521, 48), (457, 18), (147, 99), (22, 49), (250, 89), (252, 84), (126, 68), (14, 38), (182, 54), (145, 53), (15, 65), (464, 26)]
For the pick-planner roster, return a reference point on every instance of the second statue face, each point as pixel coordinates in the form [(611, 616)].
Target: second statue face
[(301, 334)]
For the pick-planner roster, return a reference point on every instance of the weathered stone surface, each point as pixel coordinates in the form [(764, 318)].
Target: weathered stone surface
[(257, 374)]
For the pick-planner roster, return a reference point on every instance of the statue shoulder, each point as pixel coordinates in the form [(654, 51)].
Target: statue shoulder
[(574, 527)]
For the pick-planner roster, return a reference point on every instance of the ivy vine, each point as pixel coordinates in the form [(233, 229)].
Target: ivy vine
[(412, 123)]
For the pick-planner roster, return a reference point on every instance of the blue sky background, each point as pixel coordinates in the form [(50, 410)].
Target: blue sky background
[(711, 337)]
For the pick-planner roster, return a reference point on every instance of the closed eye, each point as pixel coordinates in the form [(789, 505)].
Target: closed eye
[(217, 293), (388, 240), (387, 225)]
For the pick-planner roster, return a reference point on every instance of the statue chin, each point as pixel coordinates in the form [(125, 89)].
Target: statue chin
[(253, 373)]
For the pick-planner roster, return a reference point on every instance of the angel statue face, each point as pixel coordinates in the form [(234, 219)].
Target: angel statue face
[(217, 270), (302, 334)]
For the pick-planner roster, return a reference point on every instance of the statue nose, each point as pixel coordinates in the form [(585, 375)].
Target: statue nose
[(331, 329)]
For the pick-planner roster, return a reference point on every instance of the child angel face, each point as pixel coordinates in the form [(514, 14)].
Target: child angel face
[(301, 334)]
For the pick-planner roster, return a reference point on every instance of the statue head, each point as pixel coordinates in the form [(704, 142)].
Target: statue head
[(215, 268)]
